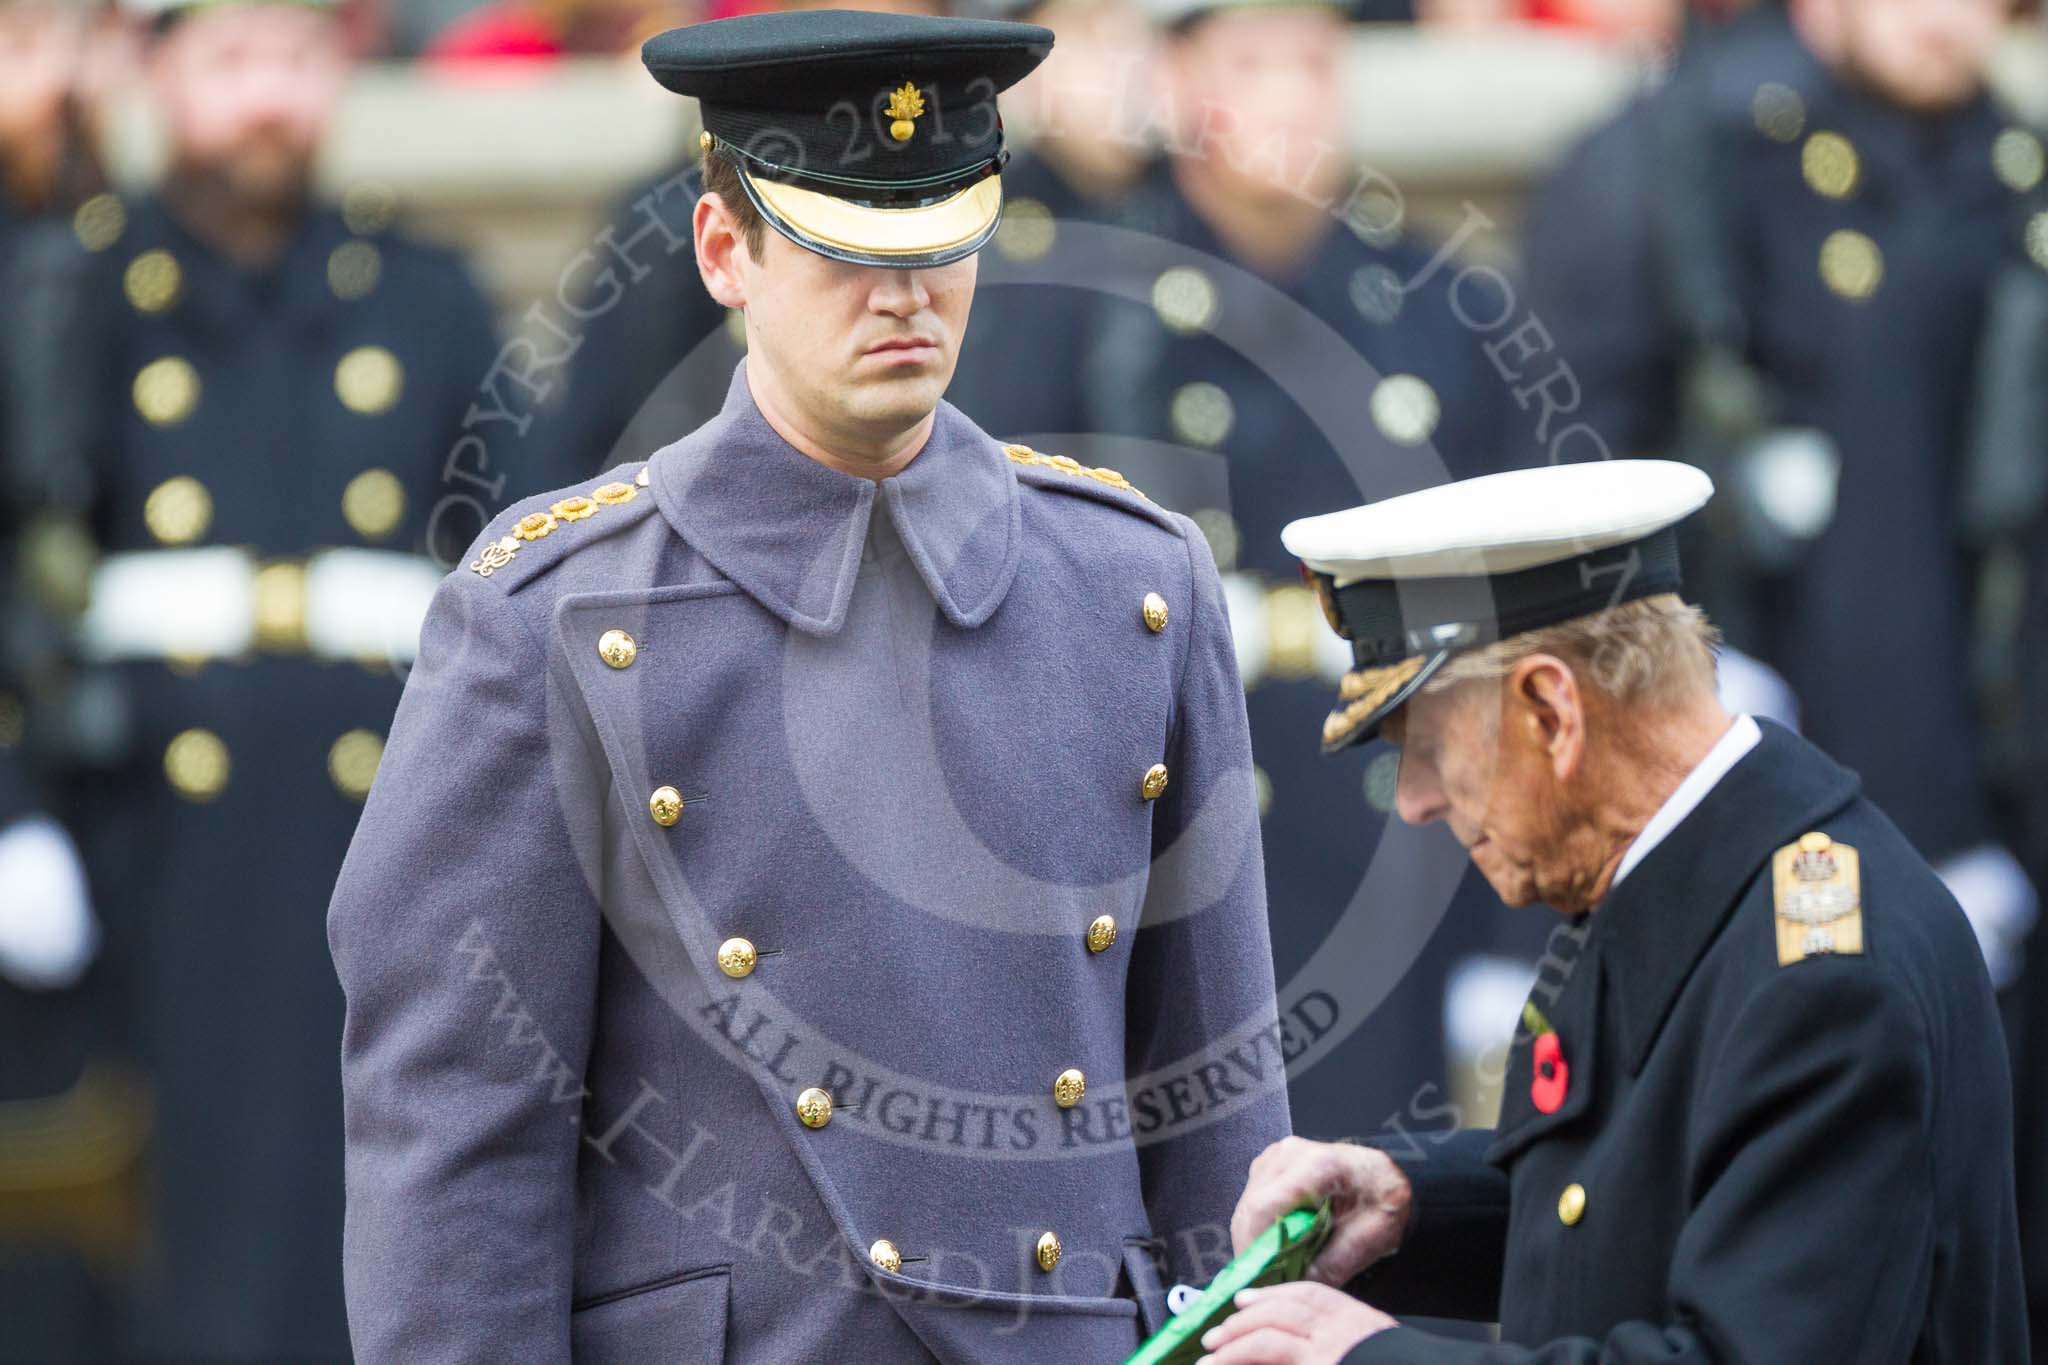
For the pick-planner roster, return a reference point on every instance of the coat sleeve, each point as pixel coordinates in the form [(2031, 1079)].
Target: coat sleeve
[(1207, 1084), (1812, 1152), (1449, 1264), (465, 933)]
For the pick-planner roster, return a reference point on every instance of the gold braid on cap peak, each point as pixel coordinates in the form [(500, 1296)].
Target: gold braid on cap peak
[(1365, 691)]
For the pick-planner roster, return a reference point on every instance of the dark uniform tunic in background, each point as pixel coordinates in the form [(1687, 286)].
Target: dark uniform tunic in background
[(1861, 241), (257, 418), (1748, 1161), (55, 1305), (629, 389)]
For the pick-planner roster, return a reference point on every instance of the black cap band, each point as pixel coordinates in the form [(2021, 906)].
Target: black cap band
[(1388, 620)]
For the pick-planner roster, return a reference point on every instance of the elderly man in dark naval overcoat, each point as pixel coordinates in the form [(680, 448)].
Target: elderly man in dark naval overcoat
[(811, 905), (1757, 1107)]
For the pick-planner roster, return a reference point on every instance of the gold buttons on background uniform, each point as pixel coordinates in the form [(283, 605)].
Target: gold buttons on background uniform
[(814, 1108), (1027, 232), (1851, 264), (1202, 413), (1406, 409), (1571, 1205), (884, 1254), (1779, 112), (353, 269), (1830, 165), (178, 511), (1102, 934), (666, 806), (736, 958), (352, 762), (2018, 159), (617, 648), (1068, 1088), (196, 762), (1154, 784), (1184, 299), (613, 494), (368, 380), (153, 281), (100, 222), (1155, 612), (369, 206), (166, 390), (1048, 1250), (373, 503)]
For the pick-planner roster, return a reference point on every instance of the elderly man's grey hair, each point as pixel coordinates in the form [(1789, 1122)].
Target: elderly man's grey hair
[(1652, 651)]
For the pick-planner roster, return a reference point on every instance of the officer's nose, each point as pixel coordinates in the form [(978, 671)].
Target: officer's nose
[(1419, 794), (899, 294)]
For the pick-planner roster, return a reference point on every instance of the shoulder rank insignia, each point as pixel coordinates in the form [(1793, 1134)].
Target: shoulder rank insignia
[(539, 525), (1817, 890), (1073, 468)]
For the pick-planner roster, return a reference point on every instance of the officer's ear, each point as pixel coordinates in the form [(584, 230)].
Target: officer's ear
[(1545, 708), (720, 240)]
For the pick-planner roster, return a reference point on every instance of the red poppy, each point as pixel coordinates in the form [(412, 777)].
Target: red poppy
[(1549, 1075)]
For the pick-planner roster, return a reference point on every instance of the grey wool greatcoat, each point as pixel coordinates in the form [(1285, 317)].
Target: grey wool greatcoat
[(800, 918)]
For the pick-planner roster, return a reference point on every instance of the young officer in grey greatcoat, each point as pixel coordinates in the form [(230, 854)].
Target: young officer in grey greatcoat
[(811, 907)]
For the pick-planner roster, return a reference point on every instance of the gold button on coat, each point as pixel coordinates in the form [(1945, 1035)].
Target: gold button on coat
[(617, 648), (1155, 612), (1102, 934), (814, 1107), (666, 806), (1048, 1250), (884, 1254), (1571, 1205), (1068, 1088), (1154, 785), (736, 958)]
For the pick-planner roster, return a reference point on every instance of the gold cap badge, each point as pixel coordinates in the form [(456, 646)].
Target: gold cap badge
[(905, 105)]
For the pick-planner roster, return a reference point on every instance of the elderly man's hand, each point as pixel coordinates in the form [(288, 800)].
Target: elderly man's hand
[(1369, 1201), (1292, 1324)]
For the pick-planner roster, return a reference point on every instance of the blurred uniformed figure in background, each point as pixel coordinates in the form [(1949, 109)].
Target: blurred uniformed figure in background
[(54, 1279), (1085, 111), (2019, 387), (628, 389), (1252, 337), (1781, 268), (282, 384)]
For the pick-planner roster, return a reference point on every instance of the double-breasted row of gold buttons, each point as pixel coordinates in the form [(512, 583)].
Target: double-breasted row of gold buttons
[(738, 957)]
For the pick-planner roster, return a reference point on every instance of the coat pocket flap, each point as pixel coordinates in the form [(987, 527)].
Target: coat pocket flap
[(681, 1317)]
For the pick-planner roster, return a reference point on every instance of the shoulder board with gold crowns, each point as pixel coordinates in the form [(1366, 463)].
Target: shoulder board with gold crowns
[(1066, 474), (520, 553), (1817, 892)]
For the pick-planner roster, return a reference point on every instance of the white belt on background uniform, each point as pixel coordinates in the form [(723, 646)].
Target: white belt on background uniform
[(223, 602)]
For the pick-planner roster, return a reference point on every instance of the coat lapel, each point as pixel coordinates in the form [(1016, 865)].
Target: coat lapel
[(1642, 945), (790, 531)]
